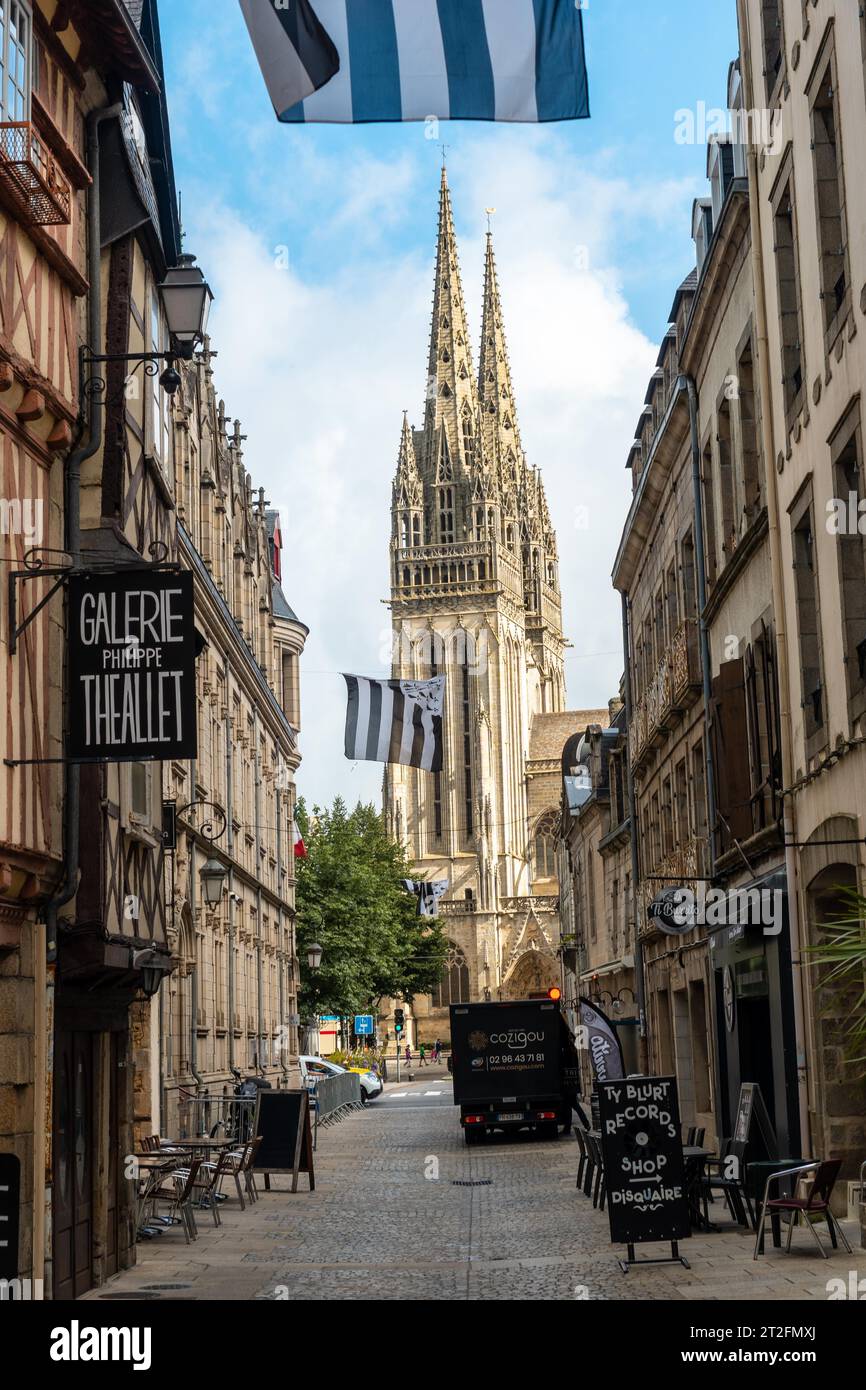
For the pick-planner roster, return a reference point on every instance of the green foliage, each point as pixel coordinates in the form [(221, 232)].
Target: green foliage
[(350, 900), (844, 951)]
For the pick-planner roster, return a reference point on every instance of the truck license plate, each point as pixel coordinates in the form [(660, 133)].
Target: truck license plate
[(511, 1115)]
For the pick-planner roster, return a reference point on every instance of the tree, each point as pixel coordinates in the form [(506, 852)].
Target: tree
[(351, 901), (844, 951)]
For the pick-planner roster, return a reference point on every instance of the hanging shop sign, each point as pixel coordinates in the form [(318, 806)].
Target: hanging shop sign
[(131, 666)]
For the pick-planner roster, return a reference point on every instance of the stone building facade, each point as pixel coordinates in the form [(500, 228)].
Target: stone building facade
[(231, 1000), (806, 63), (475, 596)]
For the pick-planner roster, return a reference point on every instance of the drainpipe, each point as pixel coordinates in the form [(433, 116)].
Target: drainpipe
[(230, 972), (688, 383), (801, 993), (89, 445), (639, 966), (193, 987)]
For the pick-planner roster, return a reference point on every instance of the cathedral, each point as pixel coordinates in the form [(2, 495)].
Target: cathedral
[(475, 597)]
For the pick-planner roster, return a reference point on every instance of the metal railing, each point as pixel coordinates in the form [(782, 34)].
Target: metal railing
[(333, 1097)]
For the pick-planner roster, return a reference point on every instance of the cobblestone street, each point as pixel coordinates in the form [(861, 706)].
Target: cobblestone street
[(403, 1210)]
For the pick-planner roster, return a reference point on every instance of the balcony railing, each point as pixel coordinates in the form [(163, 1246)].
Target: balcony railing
[(679, 869), (456, 907), (671, 689), (32, 175)]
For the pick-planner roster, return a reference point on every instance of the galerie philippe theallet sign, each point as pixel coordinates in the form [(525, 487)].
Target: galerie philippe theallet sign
[(131, 666)]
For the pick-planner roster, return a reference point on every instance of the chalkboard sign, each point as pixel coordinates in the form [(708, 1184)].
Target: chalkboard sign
[(751, 1107), (283, 1121), (10, 1192), (643, 1160)]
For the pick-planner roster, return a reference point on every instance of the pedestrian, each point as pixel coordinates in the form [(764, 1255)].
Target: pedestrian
[(408, 1054), (437, 1049), (422, 1055)]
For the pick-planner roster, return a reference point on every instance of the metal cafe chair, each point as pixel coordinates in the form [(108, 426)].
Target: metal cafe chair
[(815, 1203), (584, 1156), (734, 1188), (179, 1197)]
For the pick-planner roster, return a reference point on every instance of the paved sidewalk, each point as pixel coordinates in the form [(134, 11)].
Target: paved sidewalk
[(403, 1210)]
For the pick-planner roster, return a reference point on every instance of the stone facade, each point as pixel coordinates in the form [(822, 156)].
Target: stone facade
[(475, 596)]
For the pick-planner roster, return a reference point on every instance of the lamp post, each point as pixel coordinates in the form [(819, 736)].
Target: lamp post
[(186, 298), (314, 961)]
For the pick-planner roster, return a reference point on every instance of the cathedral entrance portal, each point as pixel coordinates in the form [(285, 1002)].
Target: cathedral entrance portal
[(534, 973)]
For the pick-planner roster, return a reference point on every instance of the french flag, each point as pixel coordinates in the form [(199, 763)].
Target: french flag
[(300, 847)]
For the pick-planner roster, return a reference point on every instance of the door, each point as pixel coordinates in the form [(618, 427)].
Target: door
[(73, 1164)]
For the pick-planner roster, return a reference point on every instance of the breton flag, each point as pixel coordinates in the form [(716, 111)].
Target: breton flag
[(417, 60), (395, 721), (428, 894), (605, 1049)]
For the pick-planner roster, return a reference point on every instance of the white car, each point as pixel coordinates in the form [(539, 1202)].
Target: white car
[(314, 1067)]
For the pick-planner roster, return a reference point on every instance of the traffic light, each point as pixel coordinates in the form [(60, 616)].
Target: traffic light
[(398, 1021), (554, 992)]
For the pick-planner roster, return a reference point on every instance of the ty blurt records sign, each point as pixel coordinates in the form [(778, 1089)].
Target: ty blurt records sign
[(643, 1160), (131, 666)]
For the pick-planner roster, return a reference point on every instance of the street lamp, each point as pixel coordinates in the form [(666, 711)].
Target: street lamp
[(186, 298), (314, 956), (213, 874)]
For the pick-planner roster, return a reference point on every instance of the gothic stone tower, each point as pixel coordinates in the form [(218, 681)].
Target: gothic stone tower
[(475, 595)]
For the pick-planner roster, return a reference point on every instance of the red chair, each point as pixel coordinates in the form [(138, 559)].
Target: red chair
[(815, 1203)]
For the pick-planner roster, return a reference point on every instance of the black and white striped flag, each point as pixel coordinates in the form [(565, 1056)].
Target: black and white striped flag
[(295, 51), (428, 894), (395, 721)]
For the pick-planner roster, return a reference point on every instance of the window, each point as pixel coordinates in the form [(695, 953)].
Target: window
[(667, 818), (682, 802), (690, 597), (710, 556), (699, 794), (730, 531), (808, 623), (846, 451), (446, 515), (829, 194), (544, 847), (751, 460), (762, 710), (15, 60), (159, 423), (730, 742), (453, 987), (773, 43), (468, 825), (790, 308)]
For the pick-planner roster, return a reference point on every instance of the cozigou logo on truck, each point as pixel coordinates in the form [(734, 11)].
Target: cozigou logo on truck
[(516, 1038)]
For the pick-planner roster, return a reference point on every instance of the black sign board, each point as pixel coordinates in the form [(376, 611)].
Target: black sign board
[(751, 1108), (283, 1121), (10, 1191), (643, 1159), (131, 666)]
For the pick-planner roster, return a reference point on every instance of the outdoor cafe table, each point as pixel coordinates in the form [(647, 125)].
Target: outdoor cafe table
[(694, 1160), (202, 1144)]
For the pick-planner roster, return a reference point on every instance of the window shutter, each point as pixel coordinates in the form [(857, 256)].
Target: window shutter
[(731, 754)]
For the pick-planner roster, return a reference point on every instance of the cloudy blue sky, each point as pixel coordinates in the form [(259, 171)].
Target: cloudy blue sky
[(319, 242)]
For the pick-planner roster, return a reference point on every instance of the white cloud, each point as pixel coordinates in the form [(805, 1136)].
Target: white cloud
[(320, 373)]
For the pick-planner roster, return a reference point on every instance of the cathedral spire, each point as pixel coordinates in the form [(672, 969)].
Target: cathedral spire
[(450, 421), (499, 428), (408, 489)]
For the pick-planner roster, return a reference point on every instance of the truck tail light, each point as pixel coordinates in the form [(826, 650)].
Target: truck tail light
[(473, 1119), (546, 1115)]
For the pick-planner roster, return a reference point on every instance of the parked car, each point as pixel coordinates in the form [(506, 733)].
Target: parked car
[(314, 1067)]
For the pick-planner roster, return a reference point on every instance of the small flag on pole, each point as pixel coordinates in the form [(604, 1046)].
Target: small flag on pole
[(300, 847), (428, 894), (421, 60), (395, 721)]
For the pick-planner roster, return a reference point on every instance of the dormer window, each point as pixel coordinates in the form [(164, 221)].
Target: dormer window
[(720, 171), (702, 228)]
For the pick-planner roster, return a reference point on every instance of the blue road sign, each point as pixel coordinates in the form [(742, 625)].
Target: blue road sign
[(364, 1025)]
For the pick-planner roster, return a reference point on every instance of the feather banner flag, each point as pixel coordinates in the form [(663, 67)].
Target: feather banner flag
[(351, 61)]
